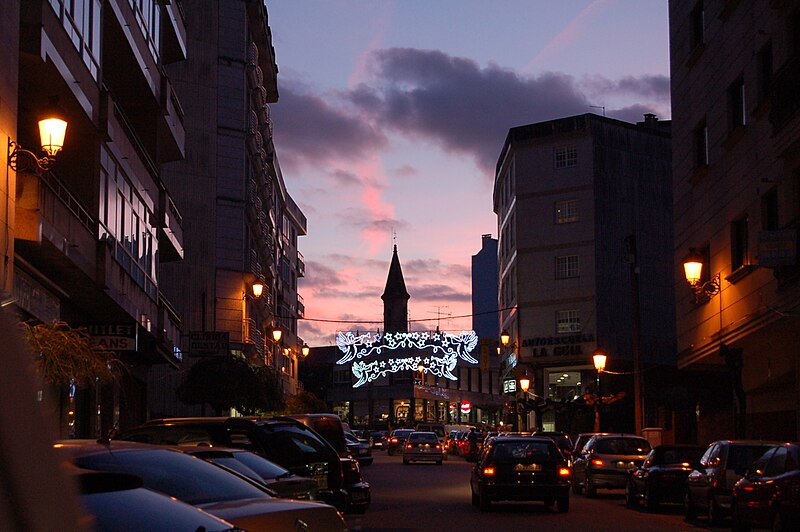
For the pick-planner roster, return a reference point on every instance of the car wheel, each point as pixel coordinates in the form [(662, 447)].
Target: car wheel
[(562, 504), (714, 512), (630, 498), (484, 502), (438, 462), (405, 462), (738, 525), (689, 511), (591, 491), (549, 502), (475, 500), (650, 499)]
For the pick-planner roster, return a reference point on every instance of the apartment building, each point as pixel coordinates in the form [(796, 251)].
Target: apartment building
[(736, 170), (584, 221)]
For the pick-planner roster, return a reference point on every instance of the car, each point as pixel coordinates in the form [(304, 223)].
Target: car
[(438, 429), (397, 441), (562, 441), (423, 447), (767, 496), (119, 502), (450, 441), (286, 442), (581, 440), (605, 460), (332, 429), (212, 488), (359, 449), (379, 439), (662, 476), (709, 487), (521, 469), (282, 482)]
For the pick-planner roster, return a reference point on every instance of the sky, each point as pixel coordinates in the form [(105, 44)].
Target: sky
[(392, 115)]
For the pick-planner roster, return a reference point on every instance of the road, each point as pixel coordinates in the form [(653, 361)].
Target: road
[(429, 497)]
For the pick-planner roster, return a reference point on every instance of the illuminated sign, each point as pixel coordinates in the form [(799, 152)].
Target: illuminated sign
[(466, 407), (442, 353), (510, 386)]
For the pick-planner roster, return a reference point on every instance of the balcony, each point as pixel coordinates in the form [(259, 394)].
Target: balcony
[(173, 32), (301, 265), (170, 229), (301, 307), (171, 131)]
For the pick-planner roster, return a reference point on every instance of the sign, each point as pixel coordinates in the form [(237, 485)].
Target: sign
[(440, 350), (466, 407), (208, 343), (510, 386), (113, 337)]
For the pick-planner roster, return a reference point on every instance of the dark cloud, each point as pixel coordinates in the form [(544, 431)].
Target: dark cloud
[(406, 171), (633, 113), (438, 292), (451, 101), (309, 129), (428, 267), (363, 219), (320, 275)]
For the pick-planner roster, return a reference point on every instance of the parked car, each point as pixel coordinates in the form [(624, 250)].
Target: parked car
[(423, 447), (286, 442), (605, 460), (768, 496), (359, 449), (709, 486), (581, 440), (521, 469), (397, 441), (562, 441), (662, 475), (331, 428), (119, 502), (282, 482), (194, 481)]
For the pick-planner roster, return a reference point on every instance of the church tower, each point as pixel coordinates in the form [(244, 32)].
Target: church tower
[(395, 298)]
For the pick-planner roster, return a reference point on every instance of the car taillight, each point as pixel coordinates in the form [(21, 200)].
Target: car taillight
[(564, 472), (409, 446), (393, 440), (488, 471), (438, 446), (597, 462)]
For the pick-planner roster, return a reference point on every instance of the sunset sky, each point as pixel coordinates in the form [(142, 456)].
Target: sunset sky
[(392, 115)]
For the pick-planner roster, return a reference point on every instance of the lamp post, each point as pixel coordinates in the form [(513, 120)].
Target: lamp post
[(524, 385), (693, 270), (599, 357)]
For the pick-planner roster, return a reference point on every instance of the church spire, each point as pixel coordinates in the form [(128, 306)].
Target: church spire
[(395, 298)]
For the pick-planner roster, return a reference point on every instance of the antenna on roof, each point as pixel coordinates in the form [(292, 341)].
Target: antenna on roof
[(603, 107)]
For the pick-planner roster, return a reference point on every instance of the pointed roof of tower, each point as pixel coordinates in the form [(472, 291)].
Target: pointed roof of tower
[(395, 284)]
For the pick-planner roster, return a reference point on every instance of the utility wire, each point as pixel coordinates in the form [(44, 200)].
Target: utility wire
[(381, 321)]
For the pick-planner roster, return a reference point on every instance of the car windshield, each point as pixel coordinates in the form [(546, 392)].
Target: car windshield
[(262, 466), (524, 451), (178, 475), (294, 445), (678, 455), (423, 437), (622, 446)]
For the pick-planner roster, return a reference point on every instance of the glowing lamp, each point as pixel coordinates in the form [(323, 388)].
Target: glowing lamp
[(52, 130), (524, 384), (277, 333), (305, 350), (599, 357), (258, 289), (505, 337), (693, 267)]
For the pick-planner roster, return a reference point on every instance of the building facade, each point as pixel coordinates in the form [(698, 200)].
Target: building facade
[(736, 168), (484, 290), (584, 219), (85, 237), (241, 224)]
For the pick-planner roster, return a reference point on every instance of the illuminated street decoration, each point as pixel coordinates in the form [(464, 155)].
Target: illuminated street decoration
[(444, 351)]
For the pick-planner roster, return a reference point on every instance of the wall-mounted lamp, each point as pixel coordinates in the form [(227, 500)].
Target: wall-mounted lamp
[(305, 350), (52, 130), (524, 383), (599, 357), (693, 270), (258, 288), (277, 333)]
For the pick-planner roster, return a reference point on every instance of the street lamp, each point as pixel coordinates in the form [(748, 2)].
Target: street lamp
[(693, 270), (505, 337), (305, 350), (52, 130), (599, 357), (524, 385), (277, 333)]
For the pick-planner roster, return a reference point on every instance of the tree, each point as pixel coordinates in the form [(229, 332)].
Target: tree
[(231, 382), (64, 354), (305, 402)]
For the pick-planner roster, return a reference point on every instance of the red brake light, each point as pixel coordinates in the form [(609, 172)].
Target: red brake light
[(488, 471), (597, 462), (438, 446), (563, 472), (393, 440), (409, 446)]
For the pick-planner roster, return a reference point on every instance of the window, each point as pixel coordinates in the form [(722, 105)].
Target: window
[(565, 156), (701, 145), (738, 243), (769, 210), (764, 61), (698, 24), (566, 211), (566, 267), (568, 321), (736, 104)]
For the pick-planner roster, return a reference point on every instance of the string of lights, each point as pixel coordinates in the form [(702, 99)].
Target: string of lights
[(323, 320)]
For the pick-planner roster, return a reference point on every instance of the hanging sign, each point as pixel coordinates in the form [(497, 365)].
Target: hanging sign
[(442, 353), (466, 407)]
